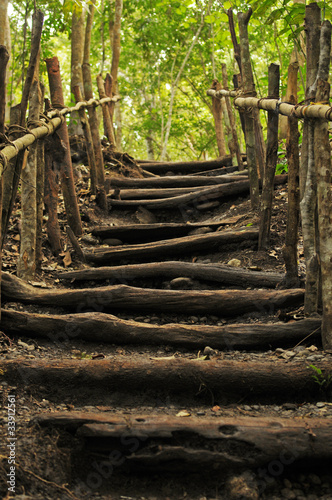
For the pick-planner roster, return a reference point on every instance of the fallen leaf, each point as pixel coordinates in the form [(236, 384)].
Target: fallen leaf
[(183, 413), (67, 259), (215, 408)]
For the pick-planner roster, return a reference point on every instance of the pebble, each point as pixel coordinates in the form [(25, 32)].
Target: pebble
[(200, 230), (314, 479), (288, 493), (320, 404), (234, 263), (112, 242), (194, 319)]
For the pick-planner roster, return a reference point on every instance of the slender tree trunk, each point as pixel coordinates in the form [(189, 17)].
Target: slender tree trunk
[(293, 208), (37, 26), (116, 48), (175, 85), (308, 184), (26, 266), (118, 122), (67, 178), (218, 120), (4, 58), (3, 18), (324, 195), (234, 146), (249, 90), (108, 123), (40, 183), (271, 161), (93, 120), (88, 141), (77, 44)]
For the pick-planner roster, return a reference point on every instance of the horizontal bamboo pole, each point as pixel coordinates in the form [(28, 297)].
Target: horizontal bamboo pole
[(52, 122), (312, 110)]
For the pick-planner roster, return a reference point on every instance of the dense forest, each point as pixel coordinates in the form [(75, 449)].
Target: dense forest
[(170, 54)]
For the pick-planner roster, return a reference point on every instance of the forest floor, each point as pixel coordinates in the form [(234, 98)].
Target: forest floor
[(52, 461)]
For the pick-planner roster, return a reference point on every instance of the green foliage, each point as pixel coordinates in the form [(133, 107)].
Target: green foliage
[(324, 381)]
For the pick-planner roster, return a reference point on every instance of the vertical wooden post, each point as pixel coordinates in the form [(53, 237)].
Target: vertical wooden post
[(271, 161), (308, 180), (249, 89), (88, 141), (4, 58), (67, 178), (40, 188), (324, 194), (108, 122), (234, 146), (217, 116), (293, 208)]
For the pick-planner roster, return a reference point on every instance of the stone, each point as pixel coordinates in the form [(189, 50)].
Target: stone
[(144, 216), (200, 230), (314, 479), (288, 493), (242, 487), (112, 242)]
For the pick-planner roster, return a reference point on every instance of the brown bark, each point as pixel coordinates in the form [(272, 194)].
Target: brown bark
[(175, 246), (100, 327), (26, 265), (308, 181), (218, 120), (187, 166), (54, 154), (293, 208), (40, 186), (173, 181), (132, 194), (249, 89), (324, 196), (3, 20), (37, 26), (204, 272), (234, 146), (107, 117), (88, 141), (67, 179), (162, 442), (202, 195), (271, 162), (226, 379), (77, 45), (139, 233), (108, 298), (116, 42)]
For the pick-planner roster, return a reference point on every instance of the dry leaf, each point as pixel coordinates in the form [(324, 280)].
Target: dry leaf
[(183, 413), (67, 259), (215, 408)]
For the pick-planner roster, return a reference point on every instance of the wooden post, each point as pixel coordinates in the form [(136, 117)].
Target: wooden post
[(293, 208), (40, 189), (324, 195), (234, 145), (108, 122), (67, 178), (88, 141), (217, 116), (308, 181), (271, 161), (249, 89)]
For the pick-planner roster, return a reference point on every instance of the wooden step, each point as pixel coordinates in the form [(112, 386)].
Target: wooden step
[(173, 181)]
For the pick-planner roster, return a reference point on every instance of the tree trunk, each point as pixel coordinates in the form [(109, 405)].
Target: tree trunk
[(227, 380), (174, 181), (88, 141), (226, 303), (37, 26), (324, 195), (3, 20), (271, 162), (308, 184), (100, 327), (93, 120), (176, 246), (116, 48), (249, 89), (26, 266), (67, 179), (77, 45), (203, 272), (218, 120), (108, 123), (293, 208), (234, 146), (187, 166)]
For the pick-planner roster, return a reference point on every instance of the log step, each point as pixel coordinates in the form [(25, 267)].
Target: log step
[(110, 298), (217, 273), (181, 380), (174, 181), (176, 246), (139, 233), (188, 166), (99, 327), (223, 443)]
